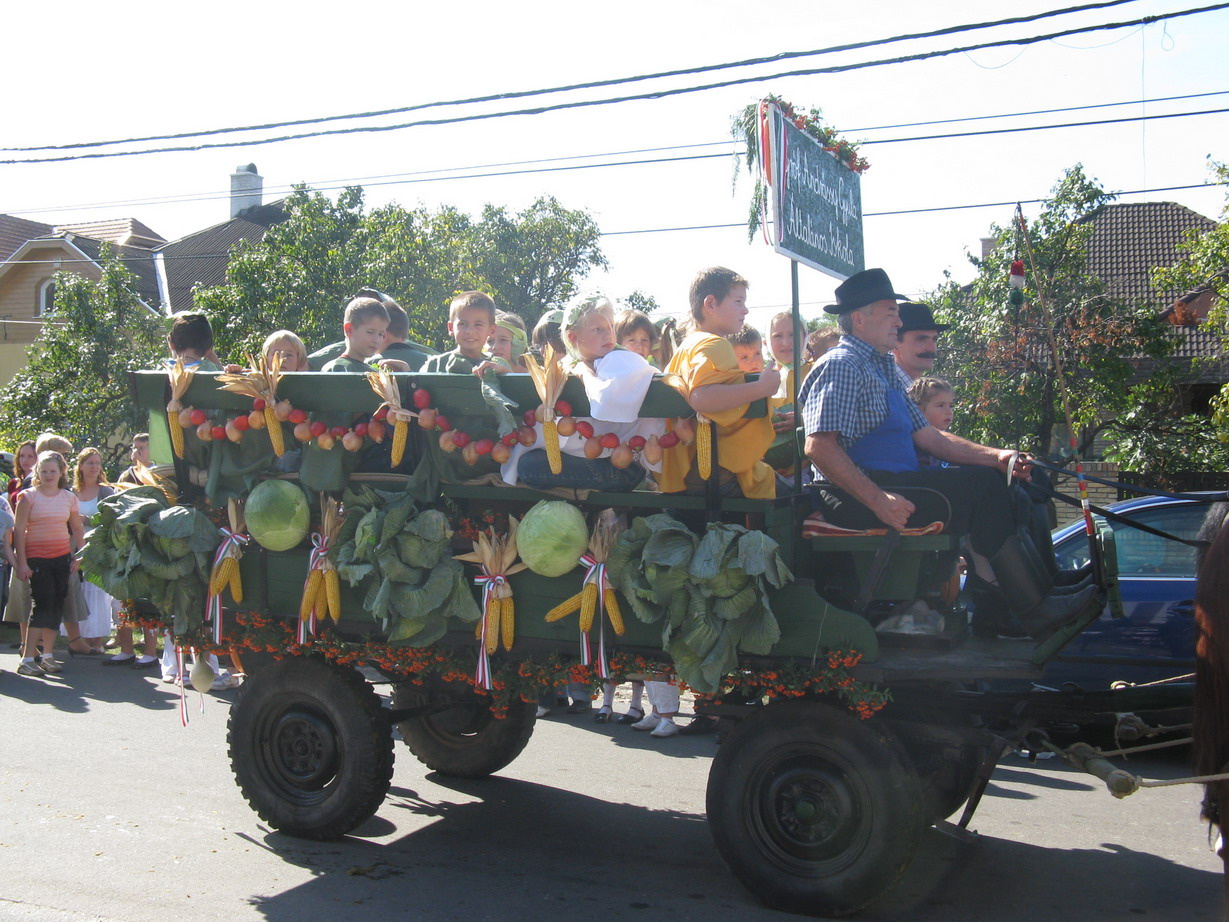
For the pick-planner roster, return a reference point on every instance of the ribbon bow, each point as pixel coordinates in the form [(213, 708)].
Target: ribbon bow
[(213, 604), (596, 575), (489, 582)]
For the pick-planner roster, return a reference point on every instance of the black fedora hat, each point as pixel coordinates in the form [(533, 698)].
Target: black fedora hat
[(914, 316), (863, 288)]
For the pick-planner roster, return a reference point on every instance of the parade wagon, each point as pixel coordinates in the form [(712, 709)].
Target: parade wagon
[(841, 744)]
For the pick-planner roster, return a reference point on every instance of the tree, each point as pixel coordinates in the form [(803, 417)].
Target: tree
[(1002, 355), (533, 260), (306, 268), (76, 381), (1205, 267)]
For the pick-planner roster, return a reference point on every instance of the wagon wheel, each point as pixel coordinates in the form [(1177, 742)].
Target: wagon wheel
[(814, 810), (465, 740), (310, 747)]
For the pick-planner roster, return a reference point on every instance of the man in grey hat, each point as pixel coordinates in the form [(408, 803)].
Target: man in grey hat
[(863, 434), (917, 341)]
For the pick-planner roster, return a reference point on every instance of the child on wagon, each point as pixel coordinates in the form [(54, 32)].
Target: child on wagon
[(508, 341), (714, 386), (635, 332), (781, 335), (615, 381), (748, 349)]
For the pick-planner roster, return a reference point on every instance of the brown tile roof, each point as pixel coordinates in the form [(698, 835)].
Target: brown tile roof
[(16, 231), (201, 258), (1130, 240), (123, 231), (137, 260)]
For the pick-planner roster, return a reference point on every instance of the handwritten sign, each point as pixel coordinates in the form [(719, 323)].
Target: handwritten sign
[(816, 202)]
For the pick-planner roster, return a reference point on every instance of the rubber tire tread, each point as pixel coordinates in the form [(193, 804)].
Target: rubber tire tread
[(354, 709), (885, 788), (494, 746)]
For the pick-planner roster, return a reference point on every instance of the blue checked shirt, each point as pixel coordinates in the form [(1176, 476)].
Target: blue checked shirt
[(847, 392)]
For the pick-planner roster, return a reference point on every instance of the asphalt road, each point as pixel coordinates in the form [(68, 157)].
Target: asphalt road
[(109, 809)]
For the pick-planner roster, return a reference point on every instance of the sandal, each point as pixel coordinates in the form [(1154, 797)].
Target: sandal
[(632, 716), (603, 715)]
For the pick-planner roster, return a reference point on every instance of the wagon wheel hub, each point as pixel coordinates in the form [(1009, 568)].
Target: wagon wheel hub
[(304, 749), (812, 811)]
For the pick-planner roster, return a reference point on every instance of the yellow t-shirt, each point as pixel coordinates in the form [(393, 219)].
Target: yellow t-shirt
[(703, 359)]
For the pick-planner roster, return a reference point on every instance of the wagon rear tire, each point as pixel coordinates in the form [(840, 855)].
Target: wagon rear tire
[(466, 740), (813, 810), (310, 748)]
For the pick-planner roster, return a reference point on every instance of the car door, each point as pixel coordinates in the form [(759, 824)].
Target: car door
[(1155, 637)]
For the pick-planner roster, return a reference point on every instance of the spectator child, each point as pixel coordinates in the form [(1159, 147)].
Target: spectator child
[(748, 349), (138, 453), (635, 332), (47, 532)]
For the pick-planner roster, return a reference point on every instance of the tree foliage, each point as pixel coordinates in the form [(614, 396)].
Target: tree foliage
[(1002, 356), (76, 381), (302, 273)]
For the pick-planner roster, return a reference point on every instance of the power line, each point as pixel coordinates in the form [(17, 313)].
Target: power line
[(617, 81), (657, 94), (341, 182), (667, 230)]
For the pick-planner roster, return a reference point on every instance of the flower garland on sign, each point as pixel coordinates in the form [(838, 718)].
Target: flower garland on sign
[(751, 127)]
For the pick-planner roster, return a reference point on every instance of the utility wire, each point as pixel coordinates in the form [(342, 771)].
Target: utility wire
[(342, 182), (668, 230), (617, 81), (654, 95)]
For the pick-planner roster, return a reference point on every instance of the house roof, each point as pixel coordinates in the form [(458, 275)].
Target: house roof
[(122, 231), (137, 260), (16, 231), (201, 258), (1130, 239)]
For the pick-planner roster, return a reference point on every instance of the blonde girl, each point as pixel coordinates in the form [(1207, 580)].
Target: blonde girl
[(90, 487), (47, 534)]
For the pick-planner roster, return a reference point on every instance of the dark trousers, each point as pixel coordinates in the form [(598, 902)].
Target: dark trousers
[(970, 500), (48, 590)]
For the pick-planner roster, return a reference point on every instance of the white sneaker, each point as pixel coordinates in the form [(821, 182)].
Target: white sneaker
[(542, 712), (647, 722), (171, 678), (223, 682), (665, 727)]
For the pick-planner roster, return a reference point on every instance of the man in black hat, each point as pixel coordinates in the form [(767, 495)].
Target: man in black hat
[(917, 341), (863, 434)]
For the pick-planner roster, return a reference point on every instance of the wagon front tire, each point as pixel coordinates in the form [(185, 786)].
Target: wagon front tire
[(310, 748), (814, 810)]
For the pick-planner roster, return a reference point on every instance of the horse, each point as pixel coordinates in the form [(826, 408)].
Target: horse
[(1211, 718)]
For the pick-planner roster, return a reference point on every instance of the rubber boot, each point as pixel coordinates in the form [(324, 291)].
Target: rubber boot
[(1063, 582), (991, 615), (1026, 587)]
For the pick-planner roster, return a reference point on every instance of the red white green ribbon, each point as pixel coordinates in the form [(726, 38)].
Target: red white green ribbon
[(488, 581), (320, 553), (596, 575), (213, 605)]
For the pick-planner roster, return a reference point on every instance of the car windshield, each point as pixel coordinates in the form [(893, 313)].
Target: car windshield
[(1139, 553)]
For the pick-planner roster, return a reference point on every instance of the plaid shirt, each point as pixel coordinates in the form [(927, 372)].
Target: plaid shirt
[(847, 392)]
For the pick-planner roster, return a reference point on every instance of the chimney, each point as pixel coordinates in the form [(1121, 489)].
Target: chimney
[(988, 246), (246, 189)]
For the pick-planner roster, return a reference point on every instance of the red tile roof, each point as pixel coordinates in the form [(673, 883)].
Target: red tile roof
[(16, 231)]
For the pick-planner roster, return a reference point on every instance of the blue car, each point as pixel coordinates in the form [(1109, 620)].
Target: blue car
[(1156, 637)]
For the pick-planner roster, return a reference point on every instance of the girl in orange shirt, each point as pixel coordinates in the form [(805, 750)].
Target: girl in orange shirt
[(47, 532)]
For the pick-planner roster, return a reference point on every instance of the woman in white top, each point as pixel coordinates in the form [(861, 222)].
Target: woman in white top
[(90, 485)]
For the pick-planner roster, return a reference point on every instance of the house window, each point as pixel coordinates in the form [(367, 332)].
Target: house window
[(46, 299)]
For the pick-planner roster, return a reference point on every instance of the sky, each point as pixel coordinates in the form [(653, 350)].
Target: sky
[(109, 73)]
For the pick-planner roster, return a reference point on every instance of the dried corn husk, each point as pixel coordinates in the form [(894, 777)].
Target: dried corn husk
[(548, 381)]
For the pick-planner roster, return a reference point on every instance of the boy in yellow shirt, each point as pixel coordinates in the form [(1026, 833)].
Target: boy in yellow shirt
[(714, 386)]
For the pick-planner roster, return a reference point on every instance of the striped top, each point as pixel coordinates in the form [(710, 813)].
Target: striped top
[(47, 526)]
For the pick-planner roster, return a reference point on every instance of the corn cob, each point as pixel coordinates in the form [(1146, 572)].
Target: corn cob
[(565, 608), (236, 582), (221, 575), (172, 422), (704, 448), (273, 426), (493, 610), (507, 623), (401, 431), (588, 606), (332, 586), (612, 611), (314, 579), (550, 434)]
